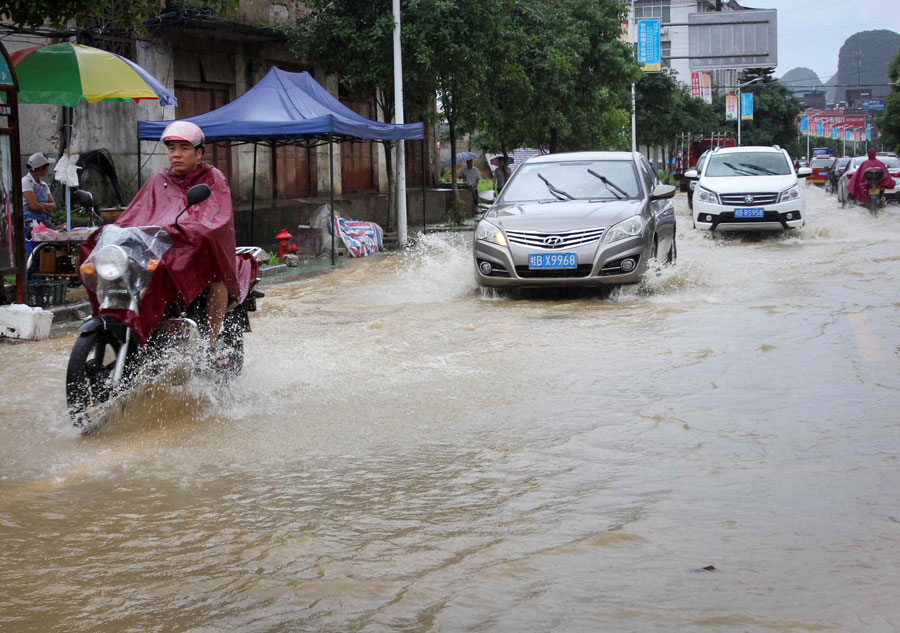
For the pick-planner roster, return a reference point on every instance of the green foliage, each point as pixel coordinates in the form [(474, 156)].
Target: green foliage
[(889, 121), (666, 178), (559, 77), (456, 214), (665, 108), (128, 15)]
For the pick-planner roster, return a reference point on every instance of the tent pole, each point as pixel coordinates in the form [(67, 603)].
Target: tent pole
[(253, 195), (331, 191), (423, 184), (140, 180)]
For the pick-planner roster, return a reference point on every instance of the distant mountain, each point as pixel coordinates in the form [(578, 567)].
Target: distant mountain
[(863, 61), (800, 80)]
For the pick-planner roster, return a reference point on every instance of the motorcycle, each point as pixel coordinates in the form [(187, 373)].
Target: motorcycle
[(874, 176), (107, 357)]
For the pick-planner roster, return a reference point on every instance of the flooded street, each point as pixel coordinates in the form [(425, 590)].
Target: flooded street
[(405, 453)]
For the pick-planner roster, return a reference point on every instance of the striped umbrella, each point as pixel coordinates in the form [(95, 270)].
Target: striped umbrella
[(65, 74)]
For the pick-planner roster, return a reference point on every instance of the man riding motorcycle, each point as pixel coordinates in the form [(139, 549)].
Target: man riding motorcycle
[(858, 187), (203, 251)]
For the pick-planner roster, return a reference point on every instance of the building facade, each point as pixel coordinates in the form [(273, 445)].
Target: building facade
[(674, 41)]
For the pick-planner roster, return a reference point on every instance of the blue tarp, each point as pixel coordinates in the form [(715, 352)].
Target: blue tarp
[(285, 106)]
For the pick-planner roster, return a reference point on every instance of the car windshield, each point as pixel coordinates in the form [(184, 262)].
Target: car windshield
[(572, 180), (822, 162), (748, 164)]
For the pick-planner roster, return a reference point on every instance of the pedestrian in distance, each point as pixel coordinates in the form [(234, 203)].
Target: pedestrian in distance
[(470, 176), (502, 174), (38, 202)]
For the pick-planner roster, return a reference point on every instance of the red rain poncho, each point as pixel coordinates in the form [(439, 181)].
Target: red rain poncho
[(201, 254), (857, 184)]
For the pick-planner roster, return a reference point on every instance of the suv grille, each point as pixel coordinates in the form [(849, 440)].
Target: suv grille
[(739, 199), (555, 241)]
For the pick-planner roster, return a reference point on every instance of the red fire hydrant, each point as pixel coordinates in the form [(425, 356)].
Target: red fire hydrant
[(285, 246)]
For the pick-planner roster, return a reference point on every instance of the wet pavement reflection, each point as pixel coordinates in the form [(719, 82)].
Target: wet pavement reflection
[(405, 452)]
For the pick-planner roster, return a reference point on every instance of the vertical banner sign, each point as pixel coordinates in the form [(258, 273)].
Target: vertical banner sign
[(747, 106), (649, 45), (731, 108), (625, 35), (847, 135), (706, 87), (695, 85), (826, 132), (820, 129), (804, 124), (834, 133), (869, 133)]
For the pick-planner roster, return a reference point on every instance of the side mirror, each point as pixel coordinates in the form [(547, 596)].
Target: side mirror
[(692, 174), (663, 192), (197, 194), (804, 172), (83, 198), (487, 196)]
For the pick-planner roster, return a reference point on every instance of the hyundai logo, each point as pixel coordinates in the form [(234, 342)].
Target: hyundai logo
[(553, 240), (748, 199)]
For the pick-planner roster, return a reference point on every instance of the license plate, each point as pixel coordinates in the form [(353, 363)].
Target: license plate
[(874, 192), (749, 213), (552, 260)]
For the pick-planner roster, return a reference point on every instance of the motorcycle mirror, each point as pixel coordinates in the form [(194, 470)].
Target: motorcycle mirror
[(83, 198), (197, 194)]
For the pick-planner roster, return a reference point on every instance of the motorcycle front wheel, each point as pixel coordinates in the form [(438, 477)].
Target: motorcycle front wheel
[(91, 365), (873, 205)]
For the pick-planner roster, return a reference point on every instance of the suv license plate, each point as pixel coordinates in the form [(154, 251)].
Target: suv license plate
[(552, 260), (749, 213)]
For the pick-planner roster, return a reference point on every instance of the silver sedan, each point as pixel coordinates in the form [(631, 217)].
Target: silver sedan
[(578, 219)]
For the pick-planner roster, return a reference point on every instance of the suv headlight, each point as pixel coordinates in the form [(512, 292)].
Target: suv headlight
[(632, 227), (111, 262), (489, 233), (705, 195), (790, 194)]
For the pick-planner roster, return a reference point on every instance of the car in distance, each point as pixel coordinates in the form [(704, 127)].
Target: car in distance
[(821, 166), (749, 189), (834, 176), (691, 174), (891, 162), (576, 219)]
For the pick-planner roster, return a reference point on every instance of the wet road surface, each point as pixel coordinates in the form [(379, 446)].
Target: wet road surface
[(405, 453)]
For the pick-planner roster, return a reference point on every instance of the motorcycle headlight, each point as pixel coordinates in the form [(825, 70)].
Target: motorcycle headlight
[(111, 262), (705, 195), (790, 194), (632, 227), (489, 233)]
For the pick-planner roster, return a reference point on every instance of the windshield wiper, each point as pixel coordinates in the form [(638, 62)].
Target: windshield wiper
[(559, 193), (609, 185), (758, 168), (736, 168)]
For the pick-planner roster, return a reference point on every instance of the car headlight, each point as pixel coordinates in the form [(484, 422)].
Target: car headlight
[(489, 233), (705, 195), (790, 194), (632, 227), (111, 262)]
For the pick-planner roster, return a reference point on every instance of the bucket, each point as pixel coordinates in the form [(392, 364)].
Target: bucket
[(46, 292)]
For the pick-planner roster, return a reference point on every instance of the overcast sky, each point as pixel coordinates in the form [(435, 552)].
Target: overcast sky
[(811, 32)]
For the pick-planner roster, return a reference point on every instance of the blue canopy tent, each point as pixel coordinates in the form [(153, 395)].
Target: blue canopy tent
[(288, 108)]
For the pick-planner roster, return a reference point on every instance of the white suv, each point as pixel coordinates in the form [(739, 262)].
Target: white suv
[(749, 189)]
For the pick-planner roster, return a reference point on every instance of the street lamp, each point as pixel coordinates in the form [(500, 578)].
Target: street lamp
[(741, 106)]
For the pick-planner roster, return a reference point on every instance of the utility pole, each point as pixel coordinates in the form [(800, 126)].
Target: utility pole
[(399, 120)]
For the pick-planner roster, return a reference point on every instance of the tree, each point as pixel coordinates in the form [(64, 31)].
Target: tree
[(128, 15), (889, 121)]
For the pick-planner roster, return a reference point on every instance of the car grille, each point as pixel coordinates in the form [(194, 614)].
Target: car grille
[(738, 199), (567, 239), (553, 273)]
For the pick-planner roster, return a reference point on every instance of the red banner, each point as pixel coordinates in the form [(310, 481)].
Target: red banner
[(695, 85)]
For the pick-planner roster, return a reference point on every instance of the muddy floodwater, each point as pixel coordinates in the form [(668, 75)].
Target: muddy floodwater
[(404, 453)]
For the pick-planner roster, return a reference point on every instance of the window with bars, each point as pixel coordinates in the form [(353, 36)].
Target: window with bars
[(645, 9)]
